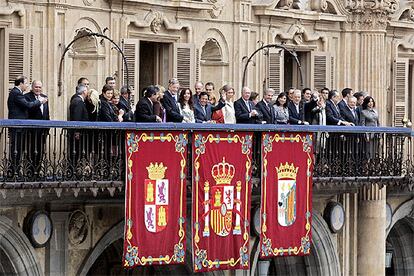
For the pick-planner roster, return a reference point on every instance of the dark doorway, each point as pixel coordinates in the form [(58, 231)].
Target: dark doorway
[(292, 76), (154, 64)]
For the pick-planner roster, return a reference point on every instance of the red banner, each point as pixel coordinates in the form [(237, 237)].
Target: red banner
[(155, 197), (286, 201), (221, 200)]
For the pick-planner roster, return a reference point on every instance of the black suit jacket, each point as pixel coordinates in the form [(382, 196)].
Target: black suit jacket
[(333, 115), (199, 114), (144, 111), (35, 113), (243, 114), (171, 108), (124, 104), (294, 116), (106, 113), (267, 111), (18, 105), (77, 110), (346, 113)]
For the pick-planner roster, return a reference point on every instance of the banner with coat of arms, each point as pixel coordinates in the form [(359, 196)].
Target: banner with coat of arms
[(221, 200), (286, 200), (155, 198)]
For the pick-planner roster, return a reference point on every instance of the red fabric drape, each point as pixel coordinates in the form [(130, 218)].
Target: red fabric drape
[(221, 200), (286, 200), (155, 198)]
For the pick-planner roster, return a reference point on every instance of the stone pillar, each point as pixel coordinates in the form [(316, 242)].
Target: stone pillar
[(57, 249), (371, 230), (373, 66)]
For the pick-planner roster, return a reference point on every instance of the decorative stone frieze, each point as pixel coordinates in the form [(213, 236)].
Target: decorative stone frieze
[(371, 14)]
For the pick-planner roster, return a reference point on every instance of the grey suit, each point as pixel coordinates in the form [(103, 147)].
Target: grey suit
[(369, 117)]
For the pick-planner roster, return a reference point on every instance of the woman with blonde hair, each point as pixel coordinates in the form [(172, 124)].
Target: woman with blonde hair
[(93, 104)]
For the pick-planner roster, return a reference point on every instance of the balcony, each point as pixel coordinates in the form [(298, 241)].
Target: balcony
[(58, 155)]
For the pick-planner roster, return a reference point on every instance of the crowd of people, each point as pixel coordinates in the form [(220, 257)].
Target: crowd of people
[(179, 104)]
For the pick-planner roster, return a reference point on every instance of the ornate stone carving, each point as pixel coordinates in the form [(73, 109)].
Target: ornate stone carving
[(78, 227), (319, 5), (156, 23), (88, 2), (369, 14), (155, 20), (298, 34), (288, 4), (217, 8)]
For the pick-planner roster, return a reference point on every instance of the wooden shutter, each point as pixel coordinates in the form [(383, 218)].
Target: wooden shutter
[(275, 70), (197, 64), (400, 90), (17, 58), (184, 64), (130, 47), (320, 70)]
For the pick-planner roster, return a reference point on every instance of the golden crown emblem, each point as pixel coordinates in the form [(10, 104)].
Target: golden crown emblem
[(223, 172), (156, 171), (287, 171)]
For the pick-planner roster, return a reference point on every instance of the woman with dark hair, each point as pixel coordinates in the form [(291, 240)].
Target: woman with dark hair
[(281, 110), (186, 105), (369, 116), (107, 113), (254, 97)]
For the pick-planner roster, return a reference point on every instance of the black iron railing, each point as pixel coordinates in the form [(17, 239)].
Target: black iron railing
[(73, 152)]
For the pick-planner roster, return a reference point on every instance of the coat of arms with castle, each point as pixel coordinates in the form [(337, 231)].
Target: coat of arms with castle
[(221, 201), (156, 198)]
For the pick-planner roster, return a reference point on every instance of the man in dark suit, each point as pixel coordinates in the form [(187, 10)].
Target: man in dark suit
[(333, 115), (346, 93), (350, 113), (77, 112), (244, 109), (82, 80), (144, 111), (203, 109), (296, 111), (19, 107), (37, 136), (37, 112), (198, 88), (77, 107), (265, 107), (124, 104), (170, 100)]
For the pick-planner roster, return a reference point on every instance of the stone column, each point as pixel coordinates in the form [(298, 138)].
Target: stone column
[(369, 19), (373, 66), (371, 230)]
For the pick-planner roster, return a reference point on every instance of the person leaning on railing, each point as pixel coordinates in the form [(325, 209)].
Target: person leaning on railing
[(281, 110), (144, 111), (107, 113), (186, 105)]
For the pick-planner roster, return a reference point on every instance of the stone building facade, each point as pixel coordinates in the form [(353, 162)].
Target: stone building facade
[(364, 44)]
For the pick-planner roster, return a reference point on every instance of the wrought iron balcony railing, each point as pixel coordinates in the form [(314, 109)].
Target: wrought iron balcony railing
[(41, 153)]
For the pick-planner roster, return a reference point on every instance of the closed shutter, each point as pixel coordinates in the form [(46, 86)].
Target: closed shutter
[(321, 70), (400, 90), (275, 70), (197, 64), (184, 64), (130, 48), (18, 54)]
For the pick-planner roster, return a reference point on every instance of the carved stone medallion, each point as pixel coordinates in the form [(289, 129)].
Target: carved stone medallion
[(78, 227)]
